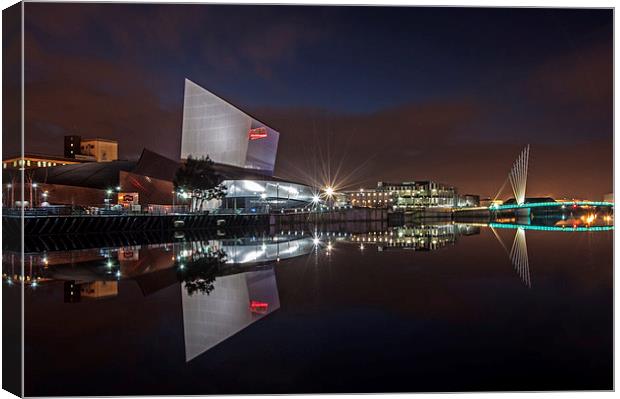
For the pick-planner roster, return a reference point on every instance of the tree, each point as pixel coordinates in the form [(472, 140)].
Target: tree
[(200, 181), (199, 274)]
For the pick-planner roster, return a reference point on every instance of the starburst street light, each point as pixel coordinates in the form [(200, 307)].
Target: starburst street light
[(329, 191)]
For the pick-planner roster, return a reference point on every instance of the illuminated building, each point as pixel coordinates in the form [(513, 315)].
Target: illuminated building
[(102, 150), (214, 127), (409, 195), (369, 198), (259, 195), (149, 184), (419, 194)]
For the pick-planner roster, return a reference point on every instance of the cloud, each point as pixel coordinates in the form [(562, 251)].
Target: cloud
[(429, 141), (93, 97)]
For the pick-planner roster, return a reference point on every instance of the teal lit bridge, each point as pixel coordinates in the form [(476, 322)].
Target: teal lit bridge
[(561, 204), (549, 228), (518, 181)]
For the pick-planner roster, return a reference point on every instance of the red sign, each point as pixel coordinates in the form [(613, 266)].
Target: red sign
[(258, 133), (127, 199), (259, 307)]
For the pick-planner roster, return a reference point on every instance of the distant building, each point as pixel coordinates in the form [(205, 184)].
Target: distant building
[(102, 150), (409, 195), (420, 194), (369, 198)]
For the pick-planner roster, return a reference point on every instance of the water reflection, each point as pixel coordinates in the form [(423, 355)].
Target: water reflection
[(234, 302), (423, 237), (228, 283)]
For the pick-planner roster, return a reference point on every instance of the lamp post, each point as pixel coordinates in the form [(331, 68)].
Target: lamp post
[(108, 192), (34, 200), (8, 202), (329, 192)]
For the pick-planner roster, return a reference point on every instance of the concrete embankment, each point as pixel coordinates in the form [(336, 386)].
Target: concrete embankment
[(377, 218), (480, 214), (86, 224)]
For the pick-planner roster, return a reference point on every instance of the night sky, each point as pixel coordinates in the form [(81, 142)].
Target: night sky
[(379, 93)]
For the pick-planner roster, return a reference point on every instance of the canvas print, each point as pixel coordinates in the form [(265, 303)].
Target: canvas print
[(214, 199)]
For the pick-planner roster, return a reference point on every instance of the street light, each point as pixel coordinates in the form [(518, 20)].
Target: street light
[(34, 185), (329, 192), (8, 201), (108, 193)]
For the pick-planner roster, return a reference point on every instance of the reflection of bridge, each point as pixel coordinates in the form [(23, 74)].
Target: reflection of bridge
[(549, 228), (550, 204)]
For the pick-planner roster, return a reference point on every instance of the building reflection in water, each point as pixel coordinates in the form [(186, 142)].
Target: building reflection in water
[(417, 237), (226, 284), (235, 302)]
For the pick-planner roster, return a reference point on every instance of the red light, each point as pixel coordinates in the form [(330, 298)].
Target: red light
[(258, 133), (259, 307)]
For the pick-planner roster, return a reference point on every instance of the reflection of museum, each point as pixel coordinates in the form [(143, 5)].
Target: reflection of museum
[(244, 285)]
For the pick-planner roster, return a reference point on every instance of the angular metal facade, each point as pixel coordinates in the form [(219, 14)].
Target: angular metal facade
[(213, 127)]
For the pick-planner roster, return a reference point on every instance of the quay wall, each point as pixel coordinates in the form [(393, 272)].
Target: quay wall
[(90, 224), (337, 216)]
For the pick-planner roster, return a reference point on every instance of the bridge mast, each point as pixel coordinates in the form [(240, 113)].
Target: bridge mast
[(518, 175)]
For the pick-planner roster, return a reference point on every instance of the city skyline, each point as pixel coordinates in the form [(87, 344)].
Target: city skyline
[(391, 93)]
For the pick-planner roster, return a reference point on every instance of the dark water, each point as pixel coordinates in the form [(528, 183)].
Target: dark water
[(439, 308)]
